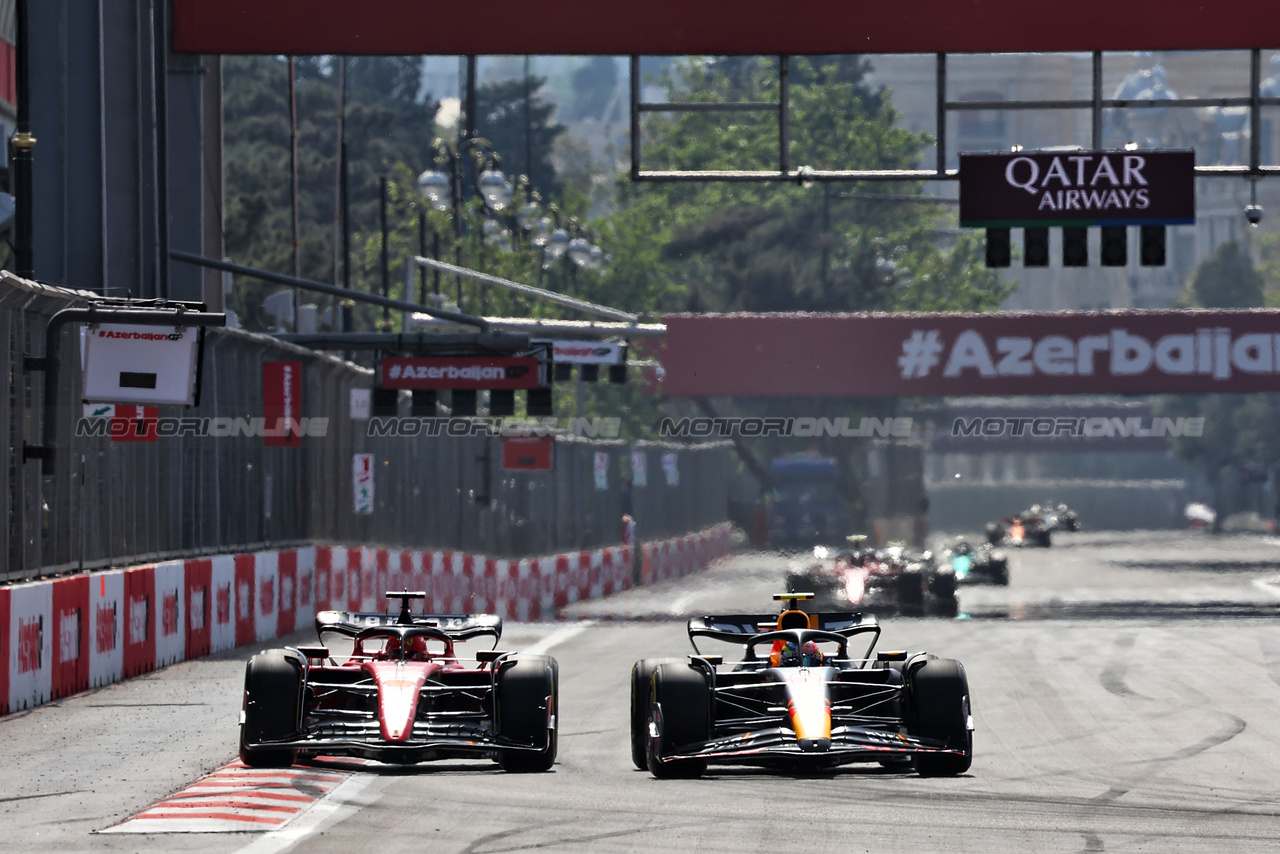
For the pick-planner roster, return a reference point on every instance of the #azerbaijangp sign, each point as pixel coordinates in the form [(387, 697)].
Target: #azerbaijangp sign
[(1077, 188)]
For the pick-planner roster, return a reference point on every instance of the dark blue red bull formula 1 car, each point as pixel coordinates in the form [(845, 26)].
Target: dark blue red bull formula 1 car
[(799, 698)]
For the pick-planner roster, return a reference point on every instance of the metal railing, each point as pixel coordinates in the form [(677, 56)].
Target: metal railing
[(114, 503)]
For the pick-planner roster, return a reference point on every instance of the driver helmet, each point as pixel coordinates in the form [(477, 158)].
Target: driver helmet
[(789, 655), (415, 649)]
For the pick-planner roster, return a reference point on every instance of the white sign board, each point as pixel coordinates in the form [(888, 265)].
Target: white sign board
[(361, 403), (141, 364), (602, 470), (571, 352), (639, 469), (672, 470), (362, 483)]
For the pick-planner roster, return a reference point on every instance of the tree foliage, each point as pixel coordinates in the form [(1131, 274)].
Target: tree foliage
[(1240, 430), (781, 247)]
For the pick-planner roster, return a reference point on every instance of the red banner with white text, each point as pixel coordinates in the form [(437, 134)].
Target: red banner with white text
[(1120, 352)]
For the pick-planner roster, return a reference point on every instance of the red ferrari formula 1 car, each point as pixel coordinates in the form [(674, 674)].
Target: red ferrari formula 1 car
[(392, 689), (799, 699)]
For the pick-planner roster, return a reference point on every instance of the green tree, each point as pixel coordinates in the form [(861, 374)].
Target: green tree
[(781, 247), (1239, 430), (512, 116), (386, 124), (1227, 279)]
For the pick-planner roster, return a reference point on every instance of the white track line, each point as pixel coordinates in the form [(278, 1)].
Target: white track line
[(347, 797), (558, 637)]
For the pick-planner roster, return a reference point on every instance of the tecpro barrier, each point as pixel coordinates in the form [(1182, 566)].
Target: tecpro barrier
[(65, 635)]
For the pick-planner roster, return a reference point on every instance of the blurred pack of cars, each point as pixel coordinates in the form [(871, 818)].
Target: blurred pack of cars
[(889, 581), (1033, 527)]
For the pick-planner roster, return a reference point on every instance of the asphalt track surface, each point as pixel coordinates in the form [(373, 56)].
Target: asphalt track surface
[(1125, 692)]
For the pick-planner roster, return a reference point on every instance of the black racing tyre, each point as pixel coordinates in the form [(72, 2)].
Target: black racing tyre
[(995, 533), (946, 606), (272, 708), (681, 697), (911, 594), (526, 699), (1000, 572), (1044, 539), (641, 679), (940, 710)]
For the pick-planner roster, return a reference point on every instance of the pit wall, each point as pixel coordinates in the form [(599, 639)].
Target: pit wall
[(66, 635)]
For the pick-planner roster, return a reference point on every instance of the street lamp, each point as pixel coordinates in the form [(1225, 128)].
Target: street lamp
[(442, 187), (436, 189), (444, 190)]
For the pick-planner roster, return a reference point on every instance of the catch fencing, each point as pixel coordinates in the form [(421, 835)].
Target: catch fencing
[(114, 503)]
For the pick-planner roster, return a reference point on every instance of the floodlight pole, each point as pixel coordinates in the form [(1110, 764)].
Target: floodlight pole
[(50, 362)]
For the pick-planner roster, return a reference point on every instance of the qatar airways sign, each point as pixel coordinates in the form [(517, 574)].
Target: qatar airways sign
[(1079, 188), (1122, 352)]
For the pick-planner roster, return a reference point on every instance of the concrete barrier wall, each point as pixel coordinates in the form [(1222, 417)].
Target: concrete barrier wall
[(65, 635)]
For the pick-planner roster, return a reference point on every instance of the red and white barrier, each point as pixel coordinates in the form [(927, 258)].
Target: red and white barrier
[(66, 635)]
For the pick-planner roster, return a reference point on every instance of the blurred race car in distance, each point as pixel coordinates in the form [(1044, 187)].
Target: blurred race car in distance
[(891, 581), (1056, 517), (799, 699), (398, 693), (982, 565), (1018, 530)]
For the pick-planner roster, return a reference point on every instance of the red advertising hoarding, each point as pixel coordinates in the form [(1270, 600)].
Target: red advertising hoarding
[(282, 404), (1077, 188), (527, 453), (682, 28), (1119, 352), (468, 372), (135, 424)]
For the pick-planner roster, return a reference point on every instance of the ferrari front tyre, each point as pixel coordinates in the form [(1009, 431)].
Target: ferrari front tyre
[(272, 708), (680, 715), (641, 679), (940, 711), (525, 698), (995, 533)]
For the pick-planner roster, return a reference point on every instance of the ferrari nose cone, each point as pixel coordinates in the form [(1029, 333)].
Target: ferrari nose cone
[(815, 745)]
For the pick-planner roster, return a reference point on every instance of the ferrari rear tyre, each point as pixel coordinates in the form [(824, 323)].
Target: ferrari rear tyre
[(680, 709), (940, 709), (526, 696), (272, 708), (641, 680)]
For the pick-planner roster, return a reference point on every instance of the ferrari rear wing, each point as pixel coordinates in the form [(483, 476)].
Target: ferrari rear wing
[(459, 627)]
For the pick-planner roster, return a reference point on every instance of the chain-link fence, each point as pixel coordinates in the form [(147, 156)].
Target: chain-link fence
[(120, 502)]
